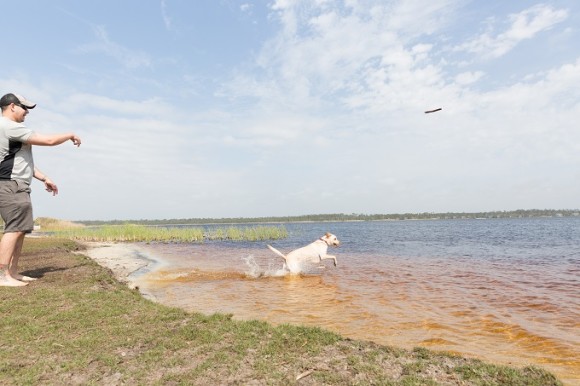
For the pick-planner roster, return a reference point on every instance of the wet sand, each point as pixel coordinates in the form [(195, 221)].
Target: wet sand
[(125, 260)]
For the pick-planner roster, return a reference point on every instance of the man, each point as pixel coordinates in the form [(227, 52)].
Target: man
[(16, 172)]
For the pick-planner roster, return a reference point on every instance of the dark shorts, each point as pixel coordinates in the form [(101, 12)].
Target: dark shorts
[(15, 206)]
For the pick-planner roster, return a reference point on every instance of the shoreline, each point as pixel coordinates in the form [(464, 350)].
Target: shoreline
[(130, 263), (133, 340), (124, 260)]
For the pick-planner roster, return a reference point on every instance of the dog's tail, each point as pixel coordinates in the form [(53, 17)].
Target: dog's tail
[(276, 251)]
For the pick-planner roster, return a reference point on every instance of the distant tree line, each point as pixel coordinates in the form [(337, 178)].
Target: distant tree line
[(341, 217)]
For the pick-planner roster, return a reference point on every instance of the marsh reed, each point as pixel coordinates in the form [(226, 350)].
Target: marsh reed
[(190, 234)]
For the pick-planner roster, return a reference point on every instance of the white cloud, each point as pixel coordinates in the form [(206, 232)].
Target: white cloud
[(467, 78), (330, 52), (128, 58), (411, 18), (524, 25), (165, 16)]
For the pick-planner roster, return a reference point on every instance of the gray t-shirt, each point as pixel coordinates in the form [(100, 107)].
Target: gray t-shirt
[(16, 161)]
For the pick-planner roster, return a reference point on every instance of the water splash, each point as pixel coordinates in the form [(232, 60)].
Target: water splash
[(255, 271)]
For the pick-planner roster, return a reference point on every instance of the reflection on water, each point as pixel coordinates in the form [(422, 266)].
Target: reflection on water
[(514, 308)]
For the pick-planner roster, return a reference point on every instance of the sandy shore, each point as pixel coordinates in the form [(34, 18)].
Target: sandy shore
[(123, 259)]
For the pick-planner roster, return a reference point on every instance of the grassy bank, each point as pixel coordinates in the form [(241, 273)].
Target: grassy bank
[(77, 325)]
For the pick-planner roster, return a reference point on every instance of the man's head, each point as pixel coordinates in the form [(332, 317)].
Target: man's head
[(15, 106), (18, 100)]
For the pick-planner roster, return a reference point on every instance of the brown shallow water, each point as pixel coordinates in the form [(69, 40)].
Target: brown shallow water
[(497, 311)]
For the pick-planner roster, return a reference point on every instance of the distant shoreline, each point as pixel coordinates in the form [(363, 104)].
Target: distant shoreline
[(340, 217)]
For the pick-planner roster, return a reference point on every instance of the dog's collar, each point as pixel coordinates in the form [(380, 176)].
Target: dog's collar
[(322, 239)]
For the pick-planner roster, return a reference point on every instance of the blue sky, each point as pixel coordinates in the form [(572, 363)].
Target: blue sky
[(222, 108)]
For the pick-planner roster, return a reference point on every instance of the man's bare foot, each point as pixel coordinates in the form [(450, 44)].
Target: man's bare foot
[(20, 277), (6, 281)]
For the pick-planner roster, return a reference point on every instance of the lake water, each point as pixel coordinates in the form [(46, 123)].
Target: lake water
[(502, 290)]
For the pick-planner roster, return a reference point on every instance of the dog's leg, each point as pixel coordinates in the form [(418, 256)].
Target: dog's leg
[(328, 257)]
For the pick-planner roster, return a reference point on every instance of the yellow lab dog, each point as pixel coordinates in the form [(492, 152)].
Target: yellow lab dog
[(314, 252)]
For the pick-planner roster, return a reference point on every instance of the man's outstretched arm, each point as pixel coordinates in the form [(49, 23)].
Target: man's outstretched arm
[(53, 139)]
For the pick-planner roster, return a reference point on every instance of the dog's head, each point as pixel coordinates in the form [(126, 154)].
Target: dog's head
[(330, 239)]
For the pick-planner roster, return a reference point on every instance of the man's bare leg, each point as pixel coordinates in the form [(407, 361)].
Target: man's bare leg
[(8, 244), (14, 263)]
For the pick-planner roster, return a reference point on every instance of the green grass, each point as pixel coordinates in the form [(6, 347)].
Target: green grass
[(141, 233), (78, 325)]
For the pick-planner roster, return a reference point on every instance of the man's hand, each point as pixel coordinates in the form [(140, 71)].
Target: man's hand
[(51, 186), (76, 140)]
